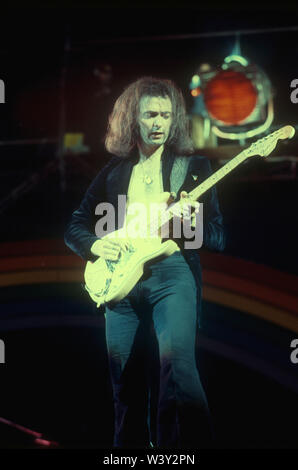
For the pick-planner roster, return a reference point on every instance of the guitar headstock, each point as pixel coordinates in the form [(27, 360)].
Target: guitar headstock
[(264, 146)]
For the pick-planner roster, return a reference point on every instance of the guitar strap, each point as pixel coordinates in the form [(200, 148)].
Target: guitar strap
[(178, 173)]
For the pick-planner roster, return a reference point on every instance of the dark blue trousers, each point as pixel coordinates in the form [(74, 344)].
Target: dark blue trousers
[(165, 297)]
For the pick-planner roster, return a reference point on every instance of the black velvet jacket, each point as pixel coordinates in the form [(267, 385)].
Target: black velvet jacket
[(114, 179)]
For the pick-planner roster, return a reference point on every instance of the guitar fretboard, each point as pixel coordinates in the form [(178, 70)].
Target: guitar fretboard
[(218, 175), (201, 189)]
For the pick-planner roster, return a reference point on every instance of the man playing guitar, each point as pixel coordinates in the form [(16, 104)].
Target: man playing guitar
[(152, 154)]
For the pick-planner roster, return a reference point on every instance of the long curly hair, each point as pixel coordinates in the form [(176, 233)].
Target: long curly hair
[(123, 129)]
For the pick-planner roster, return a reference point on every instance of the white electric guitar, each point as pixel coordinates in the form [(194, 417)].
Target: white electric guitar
[(110, 281)]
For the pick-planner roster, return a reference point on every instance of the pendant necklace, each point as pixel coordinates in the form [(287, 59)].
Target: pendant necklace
[(146, 178)]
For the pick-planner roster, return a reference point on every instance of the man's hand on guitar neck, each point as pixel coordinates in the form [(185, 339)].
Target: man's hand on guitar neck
[(185, 200), (108, 249)]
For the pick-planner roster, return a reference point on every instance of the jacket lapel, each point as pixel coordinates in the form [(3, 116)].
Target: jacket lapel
[(167, 161), (125, 172), (193, 176)]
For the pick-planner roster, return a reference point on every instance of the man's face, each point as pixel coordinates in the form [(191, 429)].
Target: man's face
[(155, 119)]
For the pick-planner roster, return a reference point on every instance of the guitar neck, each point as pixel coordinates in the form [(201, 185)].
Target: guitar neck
[(201, 189), (262, 147), (218, 175)]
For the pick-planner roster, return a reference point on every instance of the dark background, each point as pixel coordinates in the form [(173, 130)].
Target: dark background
[(55, 378)]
